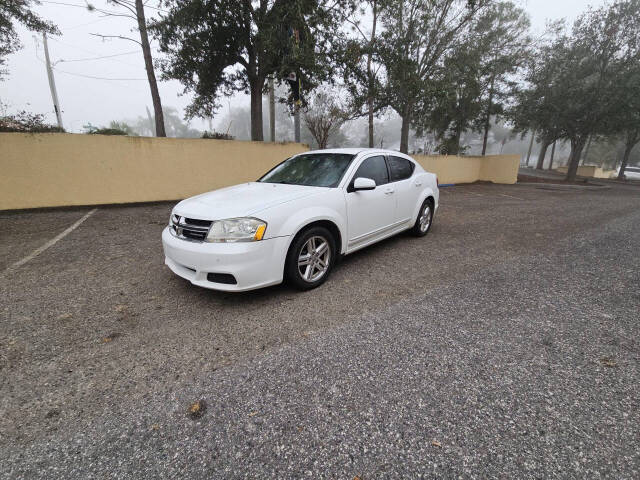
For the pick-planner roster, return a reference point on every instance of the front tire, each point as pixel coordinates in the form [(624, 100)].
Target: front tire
[(310, 258), (424, 220)]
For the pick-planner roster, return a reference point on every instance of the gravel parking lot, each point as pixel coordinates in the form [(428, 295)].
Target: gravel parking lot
[(504, 344)]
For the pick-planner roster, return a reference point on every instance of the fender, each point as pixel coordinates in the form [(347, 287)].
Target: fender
[(309, 215), (428, 190)]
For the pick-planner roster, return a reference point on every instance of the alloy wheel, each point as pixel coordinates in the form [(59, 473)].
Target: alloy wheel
[(425, 218), (314, 259)]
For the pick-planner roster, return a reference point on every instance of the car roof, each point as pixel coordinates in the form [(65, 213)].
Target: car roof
[(356, 151)]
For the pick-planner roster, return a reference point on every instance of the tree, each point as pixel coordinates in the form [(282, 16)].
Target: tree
[(123, 127), (603, 43), (418, 34), (360, 68), (324, 117), (628, 111), (218, 47), (145, 126), (504, 44), (537, 106), (19, 11), (476, 77), (456, 100), (135, 10)]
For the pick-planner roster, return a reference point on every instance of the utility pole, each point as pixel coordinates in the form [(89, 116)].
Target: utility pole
[(272, 109), (52, 82), (533, 135)]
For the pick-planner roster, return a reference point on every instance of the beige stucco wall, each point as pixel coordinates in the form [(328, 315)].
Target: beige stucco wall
[(452, 169), (591, 171), (46, 170), (49, 170)]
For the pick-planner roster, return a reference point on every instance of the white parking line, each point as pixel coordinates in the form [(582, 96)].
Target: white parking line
[(50, 243), (510, 196)]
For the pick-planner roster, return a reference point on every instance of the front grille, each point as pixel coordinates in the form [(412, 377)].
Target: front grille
[(190, 228), (197, 223)]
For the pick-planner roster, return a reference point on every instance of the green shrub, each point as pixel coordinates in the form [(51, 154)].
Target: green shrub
[(107, 131), (27, 123), (217, 136)]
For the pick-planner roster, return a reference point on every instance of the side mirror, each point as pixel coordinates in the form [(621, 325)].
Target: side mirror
[(362, 183)]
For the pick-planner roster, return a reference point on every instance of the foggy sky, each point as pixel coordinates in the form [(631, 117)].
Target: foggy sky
[(100, 100)]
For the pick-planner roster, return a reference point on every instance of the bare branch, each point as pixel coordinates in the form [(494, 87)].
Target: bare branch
[(104, 37)]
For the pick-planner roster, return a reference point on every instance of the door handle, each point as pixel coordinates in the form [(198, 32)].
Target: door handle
[(388, 191)]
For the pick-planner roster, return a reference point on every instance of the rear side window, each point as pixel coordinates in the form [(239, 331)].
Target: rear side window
[(374, 168), (400, 168)]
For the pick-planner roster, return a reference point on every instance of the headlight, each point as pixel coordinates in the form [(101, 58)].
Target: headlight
[(237, 230)]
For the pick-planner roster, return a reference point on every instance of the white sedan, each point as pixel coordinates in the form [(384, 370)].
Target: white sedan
[(298, 219)]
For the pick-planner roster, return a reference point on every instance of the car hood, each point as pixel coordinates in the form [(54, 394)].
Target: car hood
[(242, 200)]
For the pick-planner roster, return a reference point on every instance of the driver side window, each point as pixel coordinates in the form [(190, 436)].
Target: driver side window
[(374, 168)]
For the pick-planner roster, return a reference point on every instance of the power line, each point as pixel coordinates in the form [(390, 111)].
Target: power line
[(101, 78), (87, 5), (98, 58), (101, 19), (65, 4), (92, 53), (93, 77)]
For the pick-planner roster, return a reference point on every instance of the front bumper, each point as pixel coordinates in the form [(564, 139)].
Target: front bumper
[(253, 264)]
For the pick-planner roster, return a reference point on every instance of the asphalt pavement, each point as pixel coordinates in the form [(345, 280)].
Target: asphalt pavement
[(503, 344)]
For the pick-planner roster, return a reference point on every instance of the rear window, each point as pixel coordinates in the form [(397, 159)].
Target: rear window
[(400, 168)]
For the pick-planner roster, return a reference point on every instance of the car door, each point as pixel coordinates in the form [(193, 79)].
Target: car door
[(406, 192), (371, 213)]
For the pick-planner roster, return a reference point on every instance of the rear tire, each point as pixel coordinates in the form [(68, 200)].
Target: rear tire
[(310, 258), (424, 220)]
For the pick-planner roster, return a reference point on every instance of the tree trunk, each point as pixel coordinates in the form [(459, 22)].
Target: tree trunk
[(296, 122), (487, 120), (586, 152), (577, 145), (458, 137), (404, 131), (542, 154), (553, 152), (148, 65), (272, 110), (370, 122), (370, 73), (625, 159), (533, 136), (255, 85), (322, 140)]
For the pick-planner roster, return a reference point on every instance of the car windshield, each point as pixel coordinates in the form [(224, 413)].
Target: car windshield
[(312, 169)]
